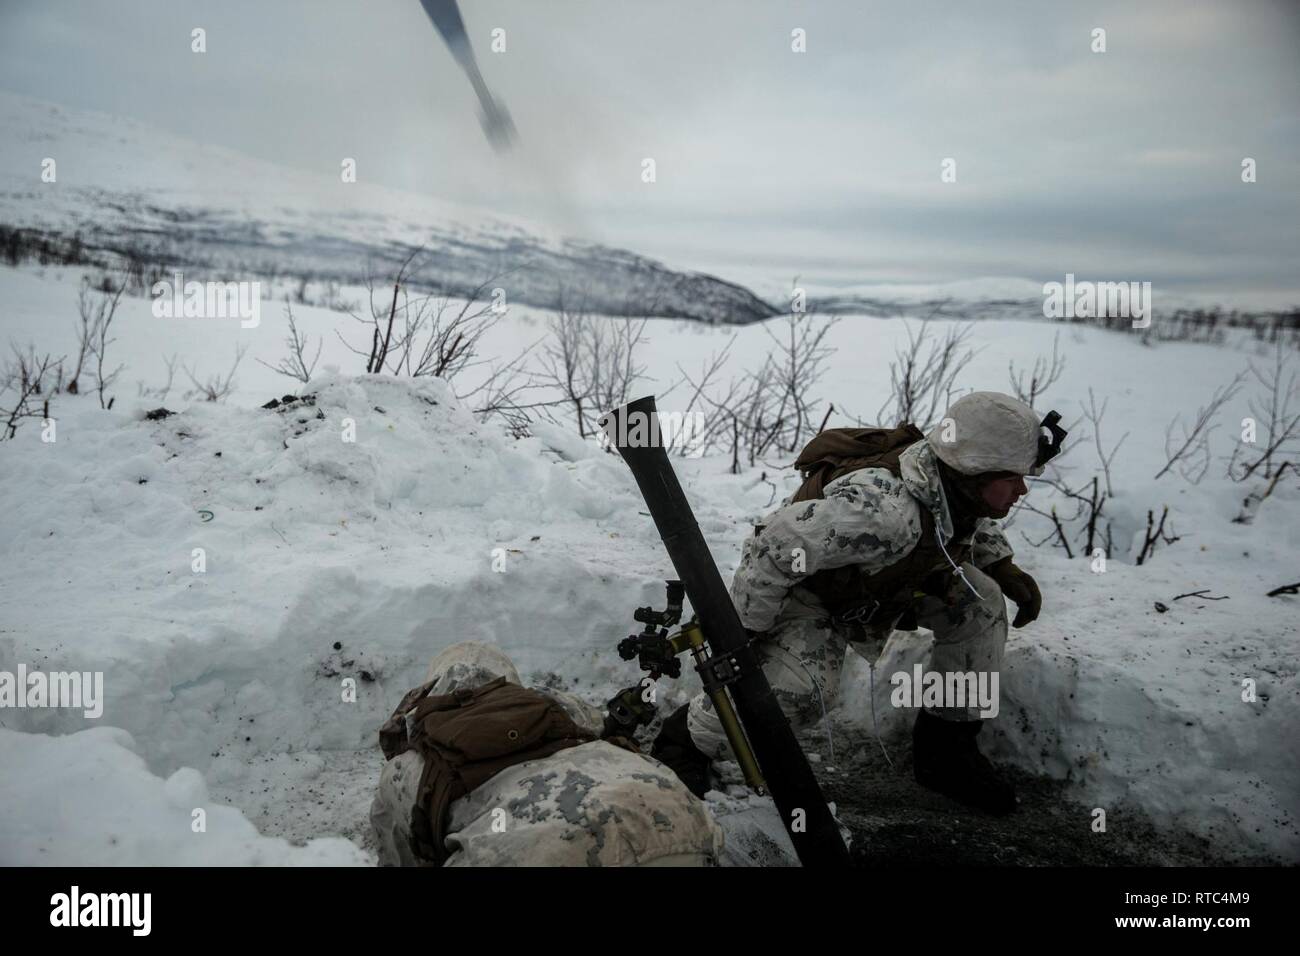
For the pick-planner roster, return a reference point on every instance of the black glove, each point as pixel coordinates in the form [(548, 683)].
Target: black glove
[(1018, 586)]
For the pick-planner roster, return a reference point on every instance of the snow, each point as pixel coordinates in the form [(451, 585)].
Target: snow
[(230, 680), (94, 803)]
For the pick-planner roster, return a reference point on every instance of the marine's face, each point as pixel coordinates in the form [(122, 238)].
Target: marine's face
[(1002, 493)]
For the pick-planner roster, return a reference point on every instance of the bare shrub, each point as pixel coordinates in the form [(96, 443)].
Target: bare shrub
[(1156, 533), (1191, 454), (715, 427), (215, 388), (766, 409), (756, 421), (96, 308), (424, 335), (747, 417), (440, 335), (160, 394), (1273, 414), (923, 375), (1250, 504), (294, 365), (1042, 376), (1094, 416), (439, 340), (28, 377), (1058, 527), (1085, 522), (504, 394), (592, 361), (798, 364), (382, 316)]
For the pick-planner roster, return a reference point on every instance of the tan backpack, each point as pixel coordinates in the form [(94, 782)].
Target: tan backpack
[(835, 452), (466, 738)]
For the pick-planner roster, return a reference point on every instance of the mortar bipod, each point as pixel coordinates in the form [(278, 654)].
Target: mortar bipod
[(657, 651)]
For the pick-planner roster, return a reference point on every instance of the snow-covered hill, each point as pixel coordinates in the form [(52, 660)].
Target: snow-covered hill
[(127, 188), (325, 559)]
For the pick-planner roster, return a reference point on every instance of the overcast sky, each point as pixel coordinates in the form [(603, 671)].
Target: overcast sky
[(1117, 165)]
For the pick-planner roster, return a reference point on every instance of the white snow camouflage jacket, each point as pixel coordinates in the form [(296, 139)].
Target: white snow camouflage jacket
[(867, 518)]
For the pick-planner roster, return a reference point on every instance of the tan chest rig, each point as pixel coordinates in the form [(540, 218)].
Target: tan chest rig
[(886, 597)]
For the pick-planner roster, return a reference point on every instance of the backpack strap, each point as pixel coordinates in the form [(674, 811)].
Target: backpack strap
[(394, 735)]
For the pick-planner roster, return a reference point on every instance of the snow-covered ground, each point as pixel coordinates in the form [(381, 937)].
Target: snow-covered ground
[(328, 560)]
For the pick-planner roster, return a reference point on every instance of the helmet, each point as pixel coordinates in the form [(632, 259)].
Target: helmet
[(470, 664), (989, 431)]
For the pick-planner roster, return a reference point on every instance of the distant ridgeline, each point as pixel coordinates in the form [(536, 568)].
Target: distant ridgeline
[(150, 243), (1207, 325), (600, 279)]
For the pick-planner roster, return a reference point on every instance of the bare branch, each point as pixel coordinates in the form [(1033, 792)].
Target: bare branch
[(1042, 377), (294, 365), (1280, 425), (1094, 416), (1156, 533), (215, 388), (1195, 441), (923, 374), (26, 376)]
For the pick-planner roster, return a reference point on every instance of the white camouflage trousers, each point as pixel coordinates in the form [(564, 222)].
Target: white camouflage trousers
[(803, 655)]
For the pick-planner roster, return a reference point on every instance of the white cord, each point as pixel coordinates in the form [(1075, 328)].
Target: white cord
[(871, 675), (938, 536), (830, 741)]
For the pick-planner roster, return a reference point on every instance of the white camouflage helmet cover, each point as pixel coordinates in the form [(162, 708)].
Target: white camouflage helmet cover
[(470, 664), (988, 431)]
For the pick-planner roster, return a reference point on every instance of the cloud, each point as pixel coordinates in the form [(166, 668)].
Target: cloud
[(1112, 159)]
